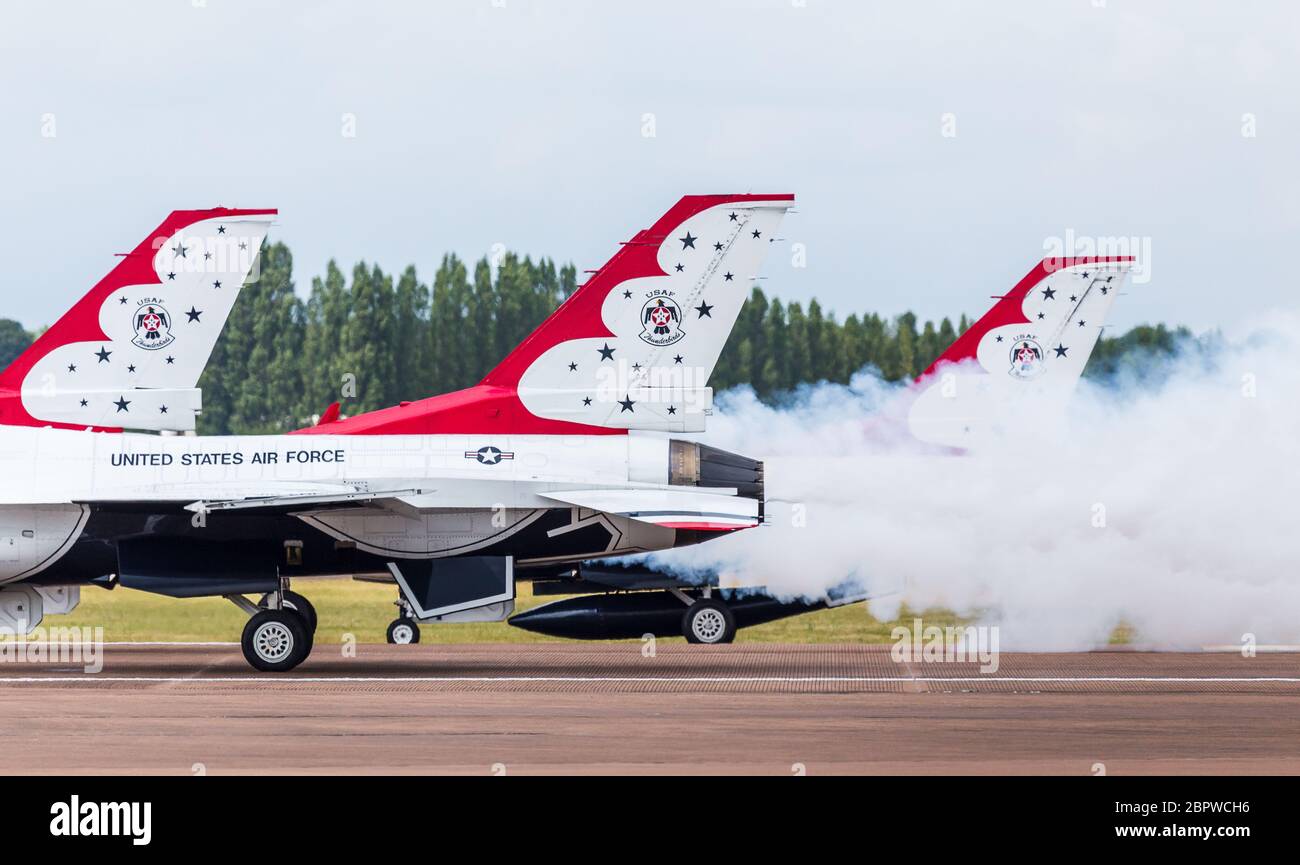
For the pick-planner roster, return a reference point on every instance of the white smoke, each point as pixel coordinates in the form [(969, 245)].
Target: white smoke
[(1171, 507)]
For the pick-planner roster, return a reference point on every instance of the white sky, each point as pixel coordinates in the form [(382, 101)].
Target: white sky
[(520, 122)]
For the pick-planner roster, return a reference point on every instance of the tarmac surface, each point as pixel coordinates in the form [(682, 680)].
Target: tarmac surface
[(601, 708)]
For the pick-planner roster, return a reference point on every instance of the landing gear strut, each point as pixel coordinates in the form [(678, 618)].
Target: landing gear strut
[(297, 603), (281, 630), (404, 630)]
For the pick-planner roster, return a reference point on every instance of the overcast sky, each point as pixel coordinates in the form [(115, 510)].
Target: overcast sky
[(935, 147)]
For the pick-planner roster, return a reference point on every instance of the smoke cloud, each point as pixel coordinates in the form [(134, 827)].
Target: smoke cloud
[(1167, 502)]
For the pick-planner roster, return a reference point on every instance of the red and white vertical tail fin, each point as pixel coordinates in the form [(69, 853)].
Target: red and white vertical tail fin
[(129, 354), (1031, 346), (635, 346)]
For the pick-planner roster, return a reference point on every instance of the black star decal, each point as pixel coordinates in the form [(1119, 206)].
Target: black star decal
[(627, 294), (216, 283), (1060, 350), (718, 246), (122, 404), (688, 242), (627, 405), (636, 367), (221, 229), (672, 409), (727, 276), (999, 339), (606, 353), (182, 251), (163, 409), (171, 360), (572, 366), (1082, 322), (677, 359), (1049, 293), (734, 217), (194, 314), (84, 403), (122, 300), (206, 256), (1084, 274), (704, 309), (757, 234), (586, 401), (171, 276), (72, 367), (130, 368), (680, 268), (1042, 315), (103, 354), (1105, 289)]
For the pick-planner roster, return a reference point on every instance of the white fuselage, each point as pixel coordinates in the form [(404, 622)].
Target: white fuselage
[(49, 466)]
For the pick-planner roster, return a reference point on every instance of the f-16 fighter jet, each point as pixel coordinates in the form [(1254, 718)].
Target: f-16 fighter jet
[(539, 466)]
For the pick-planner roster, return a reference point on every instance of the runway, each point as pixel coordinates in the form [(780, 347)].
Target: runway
[(608, 708)]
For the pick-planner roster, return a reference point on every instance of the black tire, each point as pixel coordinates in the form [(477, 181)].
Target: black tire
[(275, 641), (708, 622), (401, 629), (298, 604)]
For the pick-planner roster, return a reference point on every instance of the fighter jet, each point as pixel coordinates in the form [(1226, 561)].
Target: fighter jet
[(540, 466)]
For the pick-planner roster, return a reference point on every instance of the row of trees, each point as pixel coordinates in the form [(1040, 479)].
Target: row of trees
[(372, 339)]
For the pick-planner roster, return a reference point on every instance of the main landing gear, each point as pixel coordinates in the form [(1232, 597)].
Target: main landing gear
[(281, 630), (708, 621), (403, 630)]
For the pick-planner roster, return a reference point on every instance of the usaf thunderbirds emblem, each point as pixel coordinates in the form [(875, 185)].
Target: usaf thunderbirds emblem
[(153, 327), (1026, 358), (489, 456), (661, 320)]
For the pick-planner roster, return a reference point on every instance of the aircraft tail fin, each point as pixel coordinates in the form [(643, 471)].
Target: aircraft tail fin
[(1033, 344), (634, 347), (129, 354)]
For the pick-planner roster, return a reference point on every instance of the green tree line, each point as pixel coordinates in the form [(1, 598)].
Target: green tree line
[(371, 339)]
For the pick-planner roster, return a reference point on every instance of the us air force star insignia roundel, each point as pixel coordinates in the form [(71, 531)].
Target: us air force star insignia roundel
[(489, 456)]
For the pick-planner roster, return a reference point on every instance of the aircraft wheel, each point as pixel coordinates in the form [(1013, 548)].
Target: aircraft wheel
[(403, 632), (275, 641), (708, 621), (298, 604)]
